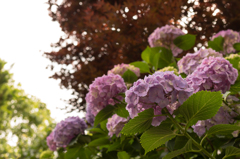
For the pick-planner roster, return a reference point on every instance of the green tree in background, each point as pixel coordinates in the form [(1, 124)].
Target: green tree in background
[(24, 121)]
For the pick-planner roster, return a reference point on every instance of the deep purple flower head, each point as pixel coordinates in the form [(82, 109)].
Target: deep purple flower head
[(115, 125), (191, 61), (120, 69), (214, 74), (102, 90), (224, 116), (68, 129), (51, 143), (157, 91), (164, 37), (230, 37)]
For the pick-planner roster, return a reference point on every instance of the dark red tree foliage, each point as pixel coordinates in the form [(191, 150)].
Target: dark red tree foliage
[(100, 34)]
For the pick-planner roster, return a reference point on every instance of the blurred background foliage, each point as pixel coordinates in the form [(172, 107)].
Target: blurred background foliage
[(25, 121), (102, 33)]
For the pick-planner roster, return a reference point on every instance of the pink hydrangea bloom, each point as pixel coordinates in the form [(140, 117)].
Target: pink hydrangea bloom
[(51, 143), (164, 37), (115, 125), (120, 69)]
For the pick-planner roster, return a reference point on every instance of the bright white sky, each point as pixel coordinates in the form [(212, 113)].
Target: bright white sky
[(26, 29)]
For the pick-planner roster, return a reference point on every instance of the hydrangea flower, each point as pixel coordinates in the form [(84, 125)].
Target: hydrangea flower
[(115, 125), (120, 69), (68, 129), (214, 74), (224, 116), (157, 91), (51, 143), (169, 68), (164, 37), (102, 90), (89, 116), (192, 60), (230, 37)]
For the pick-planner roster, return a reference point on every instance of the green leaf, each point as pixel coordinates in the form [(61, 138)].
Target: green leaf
[(140, 123), (121, 111), (236, 46), (99, 142), (185, 42), (77, 151), (123, 155), (231, 151), (129, 76), (180, 142), (235, 88), (104, 114), (144, 68), (46, 154), (165, 57), (222, 129), (200, 106), (216, 44), (97, 130), (114, 146), (156, 61), (155, 137), (187, 148), (148, 55)]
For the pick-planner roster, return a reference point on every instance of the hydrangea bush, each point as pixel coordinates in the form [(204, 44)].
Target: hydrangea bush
[(185, 107)]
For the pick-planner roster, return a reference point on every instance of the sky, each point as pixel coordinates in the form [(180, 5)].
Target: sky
[(26, 31)]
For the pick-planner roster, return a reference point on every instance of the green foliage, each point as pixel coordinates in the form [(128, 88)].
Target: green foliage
[(99, 142), (144, 68), (236, 46), (23, 117), (129, 76), (46, 154), (121, 111), (155, 137), (140, 123), (235, 88), (185, 42), (200, 106), (123, 155), (104, 114), (231, 151), (77, 151), (216, 44), (222, 129)]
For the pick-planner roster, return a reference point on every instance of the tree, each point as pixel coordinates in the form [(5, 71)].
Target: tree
[(25, 121), (100, 34)]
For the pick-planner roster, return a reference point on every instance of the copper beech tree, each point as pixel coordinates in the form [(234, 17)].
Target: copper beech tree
[(102, 33)]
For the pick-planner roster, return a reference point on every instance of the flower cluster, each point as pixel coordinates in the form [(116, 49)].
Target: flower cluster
[(157, 91), (214, 74), (230, 37), (89, 116), (191, 61), (65, 131), (115, 125), (102, 91), (169, 68), (224, 116), (164, 37), (120, 69)]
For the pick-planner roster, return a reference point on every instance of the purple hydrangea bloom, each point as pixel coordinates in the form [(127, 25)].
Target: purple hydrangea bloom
[(157, 91), (115, 125), (68, 129), (214, 74), (51, 143), (230, 37), (102, 90), (164, 37), (224, 116), (191, 61), (120, 69), (89, 116)]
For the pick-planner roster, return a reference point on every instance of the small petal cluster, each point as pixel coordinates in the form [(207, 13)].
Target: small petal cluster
[(51, 143), (214, 74), (164, 37), (120, 69), (89, 116), (224, 116), (102, 90), (169, 68), (115, 125), (157, 91), (230, 38), (68, 129), (191, 61)]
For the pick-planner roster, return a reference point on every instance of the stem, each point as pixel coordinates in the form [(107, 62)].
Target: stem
[(188, 136), (202, 140)]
